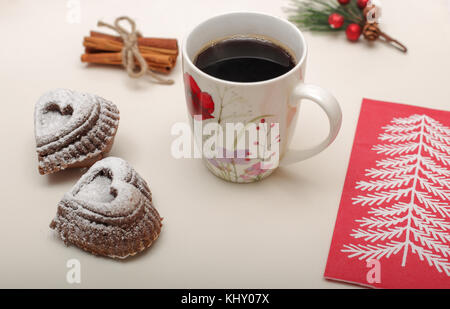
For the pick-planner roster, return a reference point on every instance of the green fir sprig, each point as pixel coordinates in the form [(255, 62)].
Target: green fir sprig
[(313, 15)]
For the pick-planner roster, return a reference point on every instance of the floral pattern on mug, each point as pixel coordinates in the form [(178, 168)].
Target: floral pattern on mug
[(233, 165), (240, 166), (199, 102), (254, 172)]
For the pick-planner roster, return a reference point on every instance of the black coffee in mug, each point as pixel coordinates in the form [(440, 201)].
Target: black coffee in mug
[(245, 59)]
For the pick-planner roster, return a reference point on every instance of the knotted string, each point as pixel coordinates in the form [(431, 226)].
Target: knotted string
[(130, 50)]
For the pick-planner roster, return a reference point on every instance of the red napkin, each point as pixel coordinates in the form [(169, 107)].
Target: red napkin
[(393, 224)]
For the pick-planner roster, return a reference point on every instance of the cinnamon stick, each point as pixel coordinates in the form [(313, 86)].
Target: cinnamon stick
[(156, 43), (114, 46), (116, 59), (96, 44), (159, 53)]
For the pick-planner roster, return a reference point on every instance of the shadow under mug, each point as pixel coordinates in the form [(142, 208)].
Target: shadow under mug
[(266, 106)]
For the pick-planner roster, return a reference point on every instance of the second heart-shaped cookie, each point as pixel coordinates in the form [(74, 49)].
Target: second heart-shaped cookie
[(109, 211)]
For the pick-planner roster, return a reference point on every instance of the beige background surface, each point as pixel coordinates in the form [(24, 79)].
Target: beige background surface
[(273, 234)]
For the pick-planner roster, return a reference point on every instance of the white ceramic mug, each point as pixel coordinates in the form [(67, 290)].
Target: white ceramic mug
[(274, 101)]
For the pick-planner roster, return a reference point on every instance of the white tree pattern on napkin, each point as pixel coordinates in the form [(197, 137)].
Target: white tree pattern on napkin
[(409, 193)]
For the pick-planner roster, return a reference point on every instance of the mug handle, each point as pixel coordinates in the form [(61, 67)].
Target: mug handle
[(330, 106)]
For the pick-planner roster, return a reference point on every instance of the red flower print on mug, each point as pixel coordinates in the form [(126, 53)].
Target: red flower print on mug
[(199, 103)]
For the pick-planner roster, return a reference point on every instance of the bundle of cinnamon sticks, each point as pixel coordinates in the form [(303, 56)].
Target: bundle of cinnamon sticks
[(101, 48)]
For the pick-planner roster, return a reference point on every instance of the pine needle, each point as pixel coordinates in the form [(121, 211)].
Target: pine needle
[(312, 15)]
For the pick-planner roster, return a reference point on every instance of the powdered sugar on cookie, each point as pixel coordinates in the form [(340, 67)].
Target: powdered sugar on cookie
[(109, 211), (73, 129)]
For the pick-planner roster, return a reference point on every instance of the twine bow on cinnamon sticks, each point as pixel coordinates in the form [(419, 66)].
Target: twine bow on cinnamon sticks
[(138, 55)]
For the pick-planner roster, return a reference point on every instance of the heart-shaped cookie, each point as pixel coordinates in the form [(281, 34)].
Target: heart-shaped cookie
[(73, 129), (109, 211)]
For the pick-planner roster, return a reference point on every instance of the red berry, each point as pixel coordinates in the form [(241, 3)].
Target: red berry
[(336, 21), (263, 120), (362, 3), (344, 1), (353, 32)]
